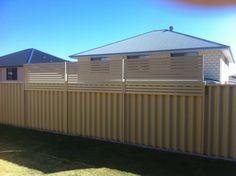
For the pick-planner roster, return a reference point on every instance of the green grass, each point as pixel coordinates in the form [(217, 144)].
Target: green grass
[(28, 152)]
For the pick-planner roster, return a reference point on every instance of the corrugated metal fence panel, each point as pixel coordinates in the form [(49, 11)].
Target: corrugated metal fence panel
[(170, 122), (165, 121), (46, 110), (97, 115), (12, 103), (220, 121)]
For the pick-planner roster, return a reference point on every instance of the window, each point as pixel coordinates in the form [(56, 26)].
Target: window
[(99, 58), (138, 63), (184, 54), (11, 73), (100, 64), (138, 57)]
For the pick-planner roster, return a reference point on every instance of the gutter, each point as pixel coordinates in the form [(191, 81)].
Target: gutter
[(147, 52), (10, 66)]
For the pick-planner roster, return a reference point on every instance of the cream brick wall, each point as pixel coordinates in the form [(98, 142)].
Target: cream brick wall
[(212, 67), (216, 68)]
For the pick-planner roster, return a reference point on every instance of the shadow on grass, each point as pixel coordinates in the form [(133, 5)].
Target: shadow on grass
[(50, 153)]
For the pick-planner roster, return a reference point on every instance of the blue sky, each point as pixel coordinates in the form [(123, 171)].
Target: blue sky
[(65, 27)]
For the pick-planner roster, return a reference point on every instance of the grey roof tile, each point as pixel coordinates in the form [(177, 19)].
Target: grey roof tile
[(23, 57), (15, 59), (41, 57), (158, 40)]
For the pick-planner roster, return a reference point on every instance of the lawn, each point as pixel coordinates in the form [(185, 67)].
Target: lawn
[(28, 152)]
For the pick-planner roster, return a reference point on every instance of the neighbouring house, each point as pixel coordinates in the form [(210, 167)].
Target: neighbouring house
[(168, 43), (11, 65), (232, 79)]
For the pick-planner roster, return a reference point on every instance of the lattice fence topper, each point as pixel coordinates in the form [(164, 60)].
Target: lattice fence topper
[(170, 75), (45, 76), (164, 69), (95, 75)]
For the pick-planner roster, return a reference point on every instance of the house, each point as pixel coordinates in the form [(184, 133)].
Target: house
[(168, 43), (11, 65), (232, 79)]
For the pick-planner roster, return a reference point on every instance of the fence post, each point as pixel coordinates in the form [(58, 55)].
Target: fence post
[(124, 98), (203, 108), (65, 115), (23, 101)]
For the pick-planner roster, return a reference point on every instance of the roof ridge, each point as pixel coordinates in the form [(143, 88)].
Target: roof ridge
[(30, 56), (73, 55)]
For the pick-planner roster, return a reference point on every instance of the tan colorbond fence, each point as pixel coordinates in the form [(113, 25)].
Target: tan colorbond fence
[(46, 110), (12, 104), (96, 114), (165, 121), (220, 121), (106, 100)]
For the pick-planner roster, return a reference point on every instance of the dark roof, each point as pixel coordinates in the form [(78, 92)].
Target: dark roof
[(211, 81), (27, 56), (153, 41), (232, 79)]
